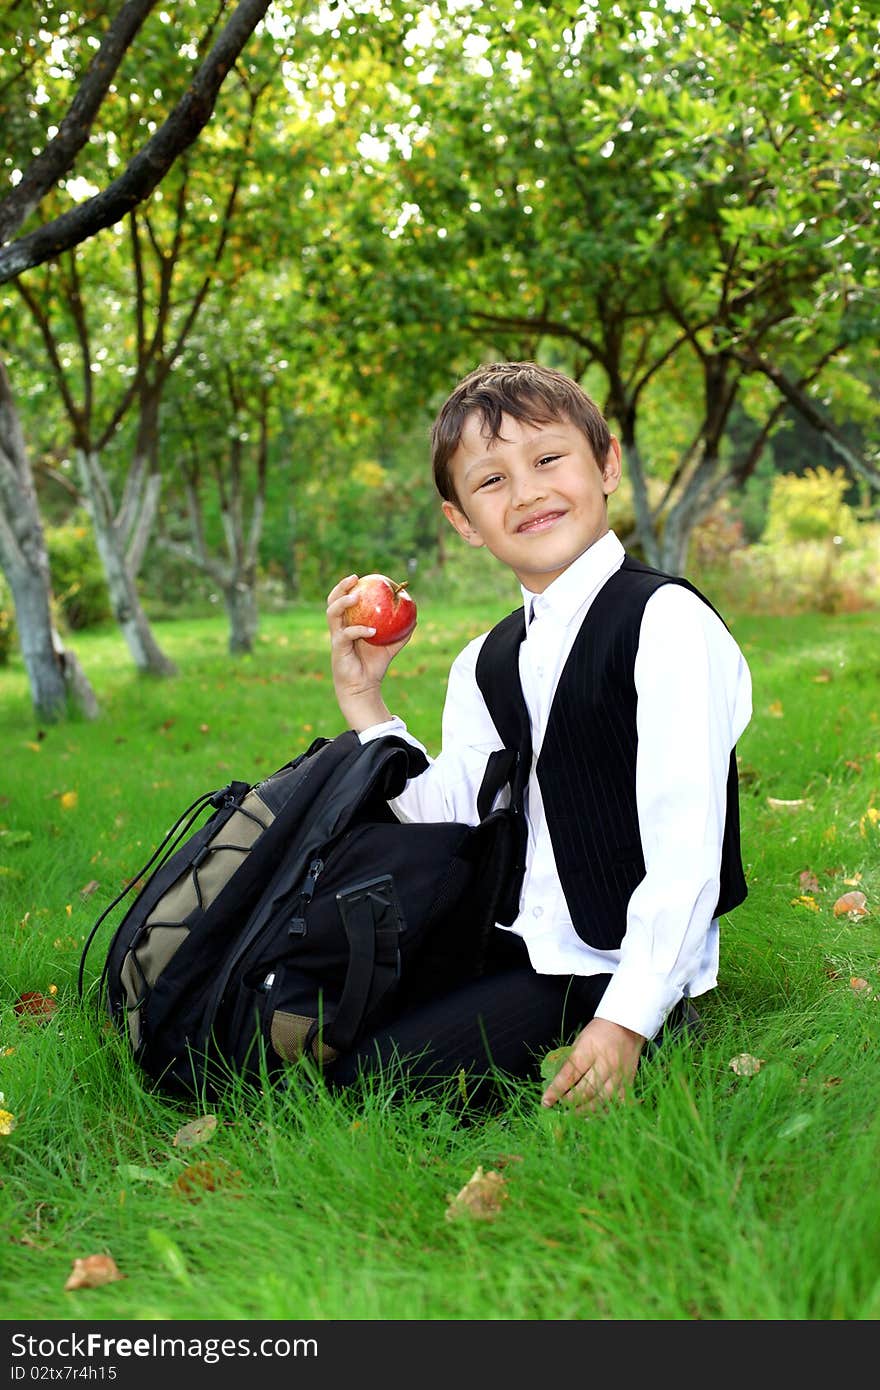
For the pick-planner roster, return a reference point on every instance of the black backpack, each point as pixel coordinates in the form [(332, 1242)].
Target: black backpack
[(300, 916)]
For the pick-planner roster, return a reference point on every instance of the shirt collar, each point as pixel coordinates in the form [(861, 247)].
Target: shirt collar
[(565, 597)]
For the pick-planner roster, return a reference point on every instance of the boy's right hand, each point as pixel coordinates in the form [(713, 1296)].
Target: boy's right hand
[(358, 667)]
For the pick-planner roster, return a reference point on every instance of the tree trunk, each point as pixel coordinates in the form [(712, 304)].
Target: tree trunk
[(146, 653), (57, 681), (691, 507), (633, 465), (241, 607)]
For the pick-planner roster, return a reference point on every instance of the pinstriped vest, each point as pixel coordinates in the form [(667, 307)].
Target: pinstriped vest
[(587, 765)]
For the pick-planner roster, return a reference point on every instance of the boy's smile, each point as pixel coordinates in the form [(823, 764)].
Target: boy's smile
[(539, 522), (536, 496)]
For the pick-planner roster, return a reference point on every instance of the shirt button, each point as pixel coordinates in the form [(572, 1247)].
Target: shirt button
[(537, 911)]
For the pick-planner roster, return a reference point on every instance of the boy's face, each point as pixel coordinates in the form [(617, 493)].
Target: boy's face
[(535, 497)]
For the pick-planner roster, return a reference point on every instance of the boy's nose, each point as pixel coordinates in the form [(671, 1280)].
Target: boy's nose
[(526, 490)]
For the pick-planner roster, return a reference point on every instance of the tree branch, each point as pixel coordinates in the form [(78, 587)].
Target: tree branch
[(806, 406), (150, 165), (58, 156)]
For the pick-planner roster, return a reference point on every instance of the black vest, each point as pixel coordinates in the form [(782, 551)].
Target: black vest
[(587, 765)]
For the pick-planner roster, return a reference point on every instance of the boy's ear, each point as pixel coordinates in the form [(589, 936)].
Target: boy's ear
[(456, 517), (611, 468)]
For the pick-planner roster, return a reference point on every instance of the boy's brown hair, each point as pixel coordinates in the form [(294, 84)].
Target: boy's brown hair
[(523, 390)]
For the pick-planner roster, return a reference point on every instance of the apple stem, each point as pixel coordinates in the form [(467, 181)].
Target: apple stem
[(398, 587)]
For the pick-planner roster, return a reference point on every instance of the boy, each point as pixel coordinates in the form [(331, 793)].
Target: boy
[(633, 695)]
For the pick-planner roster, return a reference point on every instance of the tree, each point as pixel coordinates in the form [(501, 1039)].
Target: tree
[(27, 571), (54, 672), (121, 314), (221, 418), (648, 197)]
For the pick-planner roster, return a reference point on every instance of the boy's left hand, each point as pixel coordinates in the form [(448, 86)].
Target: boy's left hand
[(600, 1068)]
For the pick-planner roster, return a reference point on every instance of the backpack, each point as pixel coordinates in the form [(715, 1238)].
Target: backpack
[(299, 916)]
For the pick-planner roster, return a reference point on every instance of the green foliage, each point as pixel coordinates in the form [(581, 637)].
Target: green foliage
[(788, 578), (753, 499), (8, 636), (364, 519), (810, 508), (170, 586), (78, 583)]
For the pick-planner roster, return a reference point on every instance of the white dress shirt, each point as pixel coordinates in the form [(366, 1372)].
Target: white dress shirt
[(693, 703)]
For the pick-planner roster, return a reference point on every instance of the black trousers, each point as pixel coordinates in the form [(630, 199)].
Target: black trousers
[(501, 1023)]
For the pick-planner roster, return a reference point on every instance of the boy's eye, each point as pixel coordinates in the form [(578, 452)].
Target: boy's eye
[(547, 458), (487, 482)]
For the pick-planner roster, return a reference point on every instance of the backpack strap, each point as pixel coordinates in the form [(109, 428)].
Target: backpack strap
[(373, 922), (497, 676), (500, 769), (229, 795)]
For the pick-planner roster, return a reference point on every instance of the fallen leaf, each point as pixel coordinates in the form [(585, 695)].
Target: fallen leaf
[(795, 1125), (851, 905), (68, 800), (196, 1132), (34, 1005), (775, 709), (198, 1178), (14, 838), (7, 1122), (806, 900), (871, 817), (853, 765), (808, 881), (134, 1173), (552, 1061), (858, 985), (89, 888), (481, 1197), (92, 1271), (745, 1064), (171, 1255), (822, 676), (780, 804)]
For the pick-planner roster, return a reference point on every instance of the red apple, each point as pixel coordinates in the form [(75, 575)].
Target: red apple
[(384, 605)]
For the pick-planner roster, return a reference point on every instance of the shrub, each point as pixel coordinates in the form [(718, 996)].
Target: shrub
[(716, 537), (78, 581), (810, 508), (815, 553)]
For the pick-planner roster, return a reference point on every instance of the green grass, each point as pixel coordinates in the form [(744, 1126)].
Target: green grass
[(713, 1196)]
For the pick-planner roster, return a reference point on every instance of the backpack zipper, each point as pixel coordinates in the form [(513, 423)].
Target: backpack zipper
[(297, 926)]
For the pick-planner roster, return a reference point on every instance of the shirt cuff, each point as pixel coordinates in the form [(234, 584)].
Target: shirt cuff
[(394, 725), (639, 1002)]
